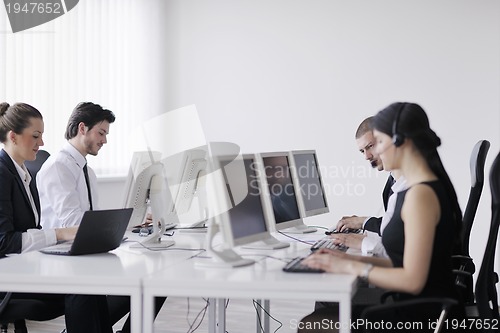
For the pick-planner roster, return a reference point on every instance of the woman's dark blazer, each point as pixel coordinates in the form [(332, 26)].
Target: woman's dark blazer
[(16, 215)]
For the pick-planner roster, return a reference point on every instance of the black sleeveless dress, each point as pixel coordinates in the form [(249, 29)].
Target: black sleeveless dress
[(440, 281)]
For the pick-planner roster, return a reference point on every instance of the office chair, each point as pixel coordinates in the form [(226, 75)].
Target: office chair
[(486, 293), (34, 166), (463, 264), (477, 160), (485, 303)]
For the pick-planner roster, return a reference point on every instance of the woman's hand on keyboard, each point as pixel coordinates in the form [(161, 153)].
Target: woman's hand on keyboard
[(333, 261)]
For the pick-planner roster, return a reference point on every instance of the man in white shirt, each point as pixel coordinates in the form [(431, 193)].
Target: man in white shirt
[(65, 194), (68, 187)]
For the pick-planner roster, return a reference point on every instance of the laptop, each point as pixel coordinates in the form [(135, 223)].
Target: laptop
[(100, 231)]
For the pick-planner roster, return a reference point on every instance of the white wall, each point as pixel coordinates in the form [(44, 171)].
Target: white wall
[(290, 74)]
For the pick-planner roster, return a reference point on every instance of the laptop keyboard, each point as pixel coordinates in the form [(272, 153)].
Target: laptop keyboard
[(328, 243), (60, 248), (296, 266)]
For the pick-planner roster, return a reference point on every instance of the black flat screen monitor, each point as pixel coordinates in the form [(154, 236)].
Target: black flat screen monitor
[(305, 168), (282, 209)]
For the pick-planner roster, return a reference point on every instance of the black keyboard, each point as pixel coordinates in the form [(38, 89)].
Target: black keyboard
[(345, 231), (296, 266), (328, 243)]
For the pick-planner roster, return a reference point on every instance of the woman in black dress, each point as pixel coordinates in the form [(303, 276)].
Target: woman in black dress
[(425, 229)]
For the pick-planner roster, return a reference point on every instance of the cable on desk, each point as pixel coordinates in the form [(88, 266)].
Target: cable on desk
[(197, 254), (169, 248), (190, 228), (319, 227), (296, 239), (257, 304), (276, 258)]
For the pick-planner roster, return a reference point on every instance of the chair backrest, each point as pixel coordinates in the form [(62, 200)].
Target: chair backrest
[(34, 166), (477, 161), (486, 293)]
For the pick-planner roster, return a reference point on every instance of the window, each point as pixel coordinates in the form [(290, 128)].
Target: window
[(106, 52)]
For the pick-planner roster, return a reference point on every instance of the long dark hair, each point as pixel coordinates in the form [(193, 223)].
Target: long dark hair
[(412, 122)]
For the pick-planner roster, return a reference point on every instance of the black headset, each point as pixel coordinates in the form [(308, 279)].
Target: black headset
[(397, 138)]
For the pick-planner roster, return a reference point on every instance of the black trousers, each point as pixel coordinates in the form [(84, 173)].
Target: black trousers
[(83, 313), (119, 306)]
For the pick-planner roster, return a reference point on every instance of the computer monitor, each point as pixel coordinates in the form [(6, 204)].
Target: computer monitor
[(280, 200), (305, 169), (244, 223), (146, 186), (186, 172)]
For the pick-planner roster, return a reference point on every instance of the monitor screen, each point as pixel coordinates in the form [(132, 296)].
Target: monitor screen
[(247, 220), (276, 170), (312, 195), (237, 190)]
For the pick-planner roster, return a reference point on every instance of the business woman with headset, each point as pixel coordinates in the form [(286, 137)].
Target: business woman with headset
[(424, 231)]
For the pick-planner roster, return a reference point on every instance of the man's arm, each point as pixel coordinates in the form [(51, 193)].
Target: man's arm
[(373, 224)]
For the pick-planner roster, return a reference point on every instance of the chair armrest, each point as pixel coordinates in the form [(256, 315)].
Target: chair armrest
[(460, 277), (464, 263)]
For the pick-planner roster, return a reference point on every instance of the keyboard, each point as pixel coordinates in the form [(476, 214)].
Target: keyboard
[(328, 243), (296, 266), (345, 231)]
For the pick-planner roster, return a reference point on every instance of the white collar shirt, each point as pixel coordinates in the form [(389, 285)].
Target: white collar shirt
[(63, 190), (26, 179), (372, 243)]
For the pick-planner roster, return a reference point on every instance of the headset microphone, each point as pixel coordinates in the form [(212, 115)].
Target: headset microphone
[(374, 162), (397, 138)]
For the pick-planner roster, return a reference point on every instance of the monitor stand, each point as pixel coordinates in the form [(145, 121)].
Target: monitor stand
[(154, 241), (225, 258), (270, 243), (300, 229)]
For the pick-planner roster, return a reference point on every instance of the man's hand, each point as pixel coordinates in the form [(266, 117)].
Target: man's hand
[(65, 234), (351, 222)]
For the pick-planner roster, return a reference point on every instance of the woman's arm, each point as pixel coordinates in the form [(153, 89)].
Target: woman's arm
[(420, 213)]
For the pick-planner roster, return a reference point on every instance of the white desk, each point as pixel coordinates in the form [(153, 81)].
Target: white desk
[(143, 274), (263, 280), (119, 272)]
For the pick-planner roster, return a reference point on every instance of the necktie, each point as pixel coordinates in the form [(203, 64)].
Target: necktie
[(86, 174)]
